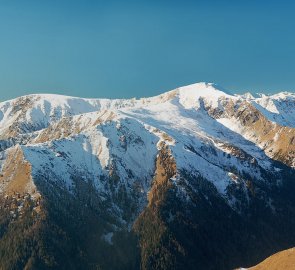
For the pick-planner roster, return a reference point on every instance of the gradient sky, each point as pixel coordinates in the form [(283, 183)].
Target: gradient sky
[(142, 48)]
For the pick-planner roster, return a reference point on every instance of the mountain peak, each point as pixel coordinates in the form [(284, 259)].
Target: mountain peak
[(188, 95), (205, 89)]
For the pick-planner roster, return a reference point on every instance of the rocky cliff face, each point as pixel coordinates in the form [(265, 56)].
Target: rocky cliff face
[(195, 178)]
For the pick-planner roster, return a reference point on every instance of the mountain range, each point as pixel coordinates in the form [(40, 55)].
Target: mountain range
[(195, 178)]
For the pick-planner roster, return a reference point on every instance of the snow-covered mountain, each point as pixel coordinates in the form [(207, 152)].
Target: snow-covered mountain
[(118, 159)]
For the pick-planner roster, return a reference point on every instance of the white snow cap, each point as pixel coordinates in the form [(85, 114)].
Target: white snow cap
[(188, 95)]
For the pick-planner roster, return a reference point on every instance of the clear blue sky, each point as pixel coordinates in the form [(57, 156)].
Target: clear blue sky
[(142, 48)]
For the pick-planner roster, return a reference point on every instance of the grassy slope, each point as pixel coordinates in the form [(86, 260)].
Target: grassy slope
[(284, 260)]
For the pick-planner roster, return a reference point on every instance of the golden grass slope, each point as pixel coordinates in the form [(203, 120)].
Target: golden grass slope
[(284, 260), (16, 173)]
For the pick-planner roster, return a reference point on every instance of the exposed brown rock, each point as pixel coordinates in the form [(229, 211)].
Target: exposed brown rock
[(165, 169), (277, 141)]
